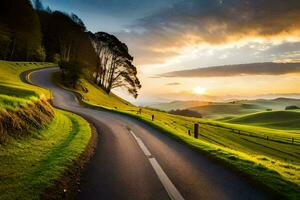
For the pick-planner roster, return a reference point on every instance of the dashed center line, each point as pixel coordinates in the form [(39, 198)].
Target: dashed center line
[(172, 191)]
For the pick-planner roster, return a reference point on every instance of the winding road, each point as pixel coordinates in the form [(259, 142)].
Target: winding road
[(135, 161)]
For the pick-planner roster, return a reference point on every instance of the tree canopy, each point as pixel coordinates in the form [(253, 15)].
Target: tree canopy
[(115, 68), (20, 31)]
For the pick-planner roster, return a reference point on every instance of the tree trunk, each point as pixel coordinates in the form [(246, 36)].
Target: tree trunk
[(6, 51), (69, 52), (13, 49)]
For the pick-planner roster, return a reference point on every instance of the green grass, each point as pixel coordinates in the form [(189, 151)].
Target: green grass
[(274, 164), (30, 165), (222, 110), (11, 84), (13, 92), (273, 119), (19, 101)]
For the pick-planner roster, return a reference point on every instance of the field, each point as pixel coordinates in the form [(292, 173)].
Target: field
[(274, 163), (33, 162)]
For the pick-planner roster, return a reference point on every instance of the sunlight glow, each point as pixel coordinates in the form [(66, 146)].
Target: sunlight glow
[(199, 90)]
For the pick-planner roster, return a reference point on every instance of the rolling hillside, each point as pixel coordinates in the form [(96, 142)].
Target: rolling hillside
[(218, 110), (221, 110), (276, 104), (178, 105), (273, 119)]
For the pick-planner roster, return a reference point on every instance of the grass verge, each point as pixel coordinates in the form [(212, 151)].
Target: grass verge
[(31, 165)]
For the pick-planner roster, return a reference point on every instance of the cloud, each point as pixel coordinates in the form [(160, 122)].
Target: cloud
[(268, 68), (174, 83), (162, 34)]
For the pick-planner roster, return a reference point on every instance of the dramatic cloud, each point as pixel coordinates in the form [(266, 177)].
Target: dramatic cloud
[(163, 34), (238, 70)]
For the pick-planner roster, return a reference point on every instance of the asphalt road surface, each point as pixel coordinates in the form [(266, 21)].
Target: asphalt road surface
[(135, 161)]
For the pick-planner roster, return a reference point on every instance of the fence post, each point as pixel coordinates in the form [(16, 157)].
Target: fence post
[(292, 140), (196, 130), (189, 132), (152, 117)]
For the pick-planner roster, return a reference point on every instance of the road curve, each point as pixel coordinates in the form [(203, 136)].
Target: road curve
[(135, 161)]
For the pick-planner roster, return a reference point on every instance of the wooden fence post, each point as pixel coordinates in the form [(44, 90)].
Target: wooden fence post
[(189, 132), (196, 130)]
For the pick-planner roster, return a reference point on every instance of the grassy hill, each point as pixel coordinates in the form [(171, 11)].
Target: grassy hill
[(37, 143), (275, 164), (178, 105), (273, 119), (221, 110), (23, 107), (226, 110), (276, 104), (14, 92)]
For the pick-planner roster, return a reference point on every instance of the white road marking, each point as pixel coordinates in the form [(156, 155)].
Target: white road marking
[(169, 186), (75, 97), (172, 191), (141, 144)]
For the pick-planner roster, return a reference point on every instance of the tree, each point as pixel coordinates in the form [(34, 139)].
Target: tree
[(115, 68), (70, 73), (24, 27), (292, 107), (66, 42), (5, 40)]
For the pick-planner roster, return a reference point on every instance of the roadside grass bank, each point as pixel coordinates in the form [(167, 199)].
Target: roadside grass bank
[(42, 149), (272, 165), (25, 120), (31, 165), (23, 108)]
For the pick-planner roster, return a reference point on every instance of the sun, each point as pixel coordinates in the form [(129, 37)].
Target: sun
[(199, 90)]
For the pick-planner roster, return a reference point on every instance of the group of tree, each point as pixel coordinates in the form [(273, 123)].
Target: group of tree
[(20, 33), (35, 33)]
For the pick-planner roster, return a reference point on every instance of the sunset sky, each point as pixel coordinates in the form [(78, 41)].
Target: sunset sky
[(174, 35)]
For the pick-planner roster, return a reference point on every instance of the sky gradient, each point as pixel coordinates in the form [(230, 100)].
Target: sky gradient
[(174, 35)]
